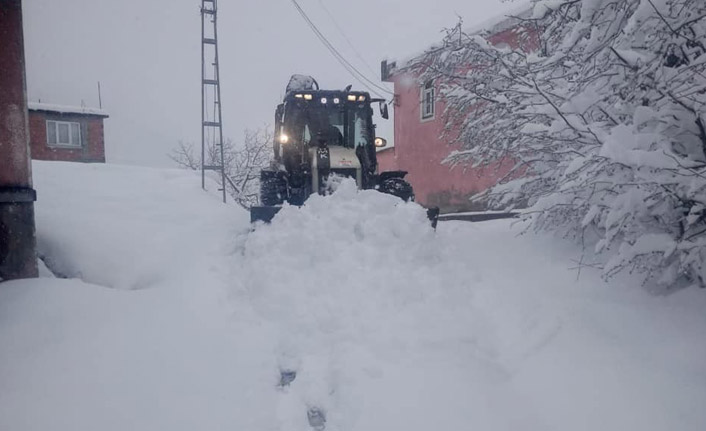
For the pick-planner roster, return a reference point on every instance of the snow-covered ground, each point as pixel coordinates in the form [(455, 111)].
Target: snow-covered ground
[(177, 316)]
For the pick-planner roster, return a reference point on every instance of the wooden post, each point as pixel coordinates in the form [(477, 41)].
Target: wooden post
[(18, 257)]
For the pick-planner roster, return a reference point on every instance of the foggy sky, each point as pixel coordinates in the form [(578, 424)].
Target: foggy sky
[(147, 54)]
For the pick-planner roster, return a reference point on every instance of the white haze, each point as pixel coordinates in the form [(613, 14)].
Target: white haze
[(146, 54)]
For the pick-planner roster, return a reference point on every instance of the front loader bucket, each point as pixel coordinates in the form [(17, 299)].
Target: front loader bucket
[(265, 214)]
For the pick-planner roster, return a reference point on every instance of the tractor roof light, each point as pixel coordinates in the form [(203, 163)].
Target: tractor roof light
[(361, 98), (308, 97), (351, 97), (299, 96)]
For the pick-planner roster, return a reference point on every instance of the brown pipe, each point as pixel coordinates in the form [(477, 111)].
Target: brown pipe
[(18, 257)]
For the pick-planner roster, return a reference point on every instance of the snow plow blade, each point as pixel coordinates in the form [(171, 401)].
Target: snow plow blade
[(265, 214)]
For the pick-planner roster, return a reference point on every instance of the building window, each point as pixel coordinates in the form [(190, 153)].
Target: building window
[(63, 134), (428, 99)]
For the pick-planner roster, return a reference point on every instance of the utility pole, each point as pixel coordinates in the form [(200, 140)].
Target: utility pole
[(211, 121), (18, 256)]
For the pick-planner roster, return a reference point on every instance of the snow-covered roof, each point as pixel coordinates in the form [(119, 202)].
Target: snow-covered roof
[(493, 24), (63, 109), (503, 21)]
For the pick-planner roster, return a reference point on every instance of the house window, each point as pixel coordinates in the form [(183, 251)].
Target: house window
[(63, 134), (428, 100)]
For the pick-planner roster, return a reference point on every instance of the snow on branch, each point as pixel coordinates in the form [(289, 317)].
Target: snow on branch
[(243, 162), (602, 106)]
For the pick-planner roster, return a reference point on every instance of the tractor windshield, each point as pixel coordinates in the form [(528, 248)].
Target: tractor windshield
[(348, 126)]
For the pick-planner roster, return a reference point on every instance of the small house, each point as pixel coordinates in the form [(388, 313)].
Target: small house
[(66, 133)]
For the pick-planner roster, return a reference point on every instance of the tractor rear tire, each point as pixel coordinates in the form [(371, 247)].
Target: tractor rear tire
[(398, 187)]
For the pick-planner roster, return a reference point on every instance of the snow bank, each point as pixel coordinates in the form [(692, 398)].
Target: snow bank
[(393, 326), (388, 324), (83, 357), (79, 356), (126, 227), (356, 299)]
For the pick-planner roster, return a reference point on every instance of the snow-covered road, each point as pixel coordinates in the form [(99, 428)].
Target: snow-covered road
[(185, 319)]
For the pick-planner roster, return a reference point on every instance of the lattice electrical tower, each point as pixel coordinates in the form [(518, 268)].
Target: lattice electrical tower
[(211, 119)]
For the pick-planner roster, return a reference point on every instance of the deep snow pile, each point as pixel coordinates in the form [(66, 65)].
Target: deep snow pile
[(395, 327), (350, 288), (388, 324), (152, 346), (124, 226)]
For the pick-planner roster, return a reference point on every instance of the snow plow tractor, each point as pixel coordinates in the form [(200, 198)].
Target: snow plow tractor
[(320, 133)]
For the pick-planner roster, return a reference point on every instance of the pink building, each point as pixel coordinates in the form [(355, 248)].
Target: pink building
[(419, 147)]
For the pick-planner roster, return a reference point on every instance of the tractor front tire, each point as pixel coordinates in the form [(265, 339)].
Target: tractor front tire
[(273, 190)]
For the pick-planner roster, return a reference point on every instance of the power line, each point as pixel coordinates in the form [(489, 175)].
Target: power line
[(358, 75), (343, 33), (345, 63)]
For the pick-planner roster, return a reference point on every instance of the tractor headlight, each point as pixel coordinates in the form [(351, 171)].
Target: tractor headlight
[(351, 97), (308, 97), (361, 98), (324, 100), (283, 139), (380, 142)]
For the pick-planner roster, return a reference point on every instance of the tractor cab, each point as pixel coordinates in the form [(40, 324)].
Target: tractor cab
[(324, 132), (335, 117)]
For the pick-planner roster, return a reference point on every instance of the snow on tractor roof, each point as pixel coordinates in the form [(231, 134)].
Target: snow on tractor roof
[(301, 83)]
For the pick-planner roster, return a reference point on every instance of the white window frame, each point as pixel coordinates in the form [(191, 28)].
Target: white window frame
[(427, 111), (74, 141)]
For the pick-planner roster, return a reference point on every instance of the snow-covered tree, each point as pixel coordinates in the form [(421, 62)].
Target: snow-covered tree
[(602, 105), (243, 162)]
